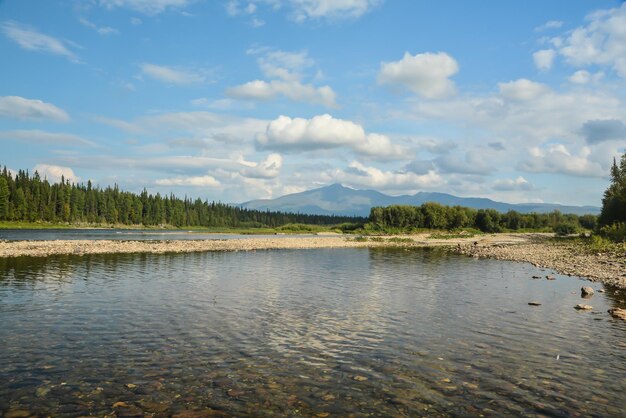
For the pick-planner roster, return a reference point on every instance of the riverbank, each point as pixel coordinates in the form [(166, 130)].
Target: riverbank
[(537, 248)]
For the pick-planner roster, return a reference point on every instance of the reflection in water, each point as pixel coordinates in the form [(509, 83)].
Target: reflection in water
[(349, 331)]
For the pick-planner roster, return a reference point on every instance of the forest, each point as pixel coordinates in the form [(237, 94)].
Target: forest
[(29, 198), (435, 216)]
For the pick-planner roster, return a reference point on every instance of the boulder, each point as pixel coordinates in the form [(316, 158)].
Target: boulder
[(586, 292), (618, 313), (582, 307)]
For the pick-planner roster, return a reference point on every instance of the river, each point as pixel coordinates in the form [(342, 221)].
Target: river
[(324, 332)]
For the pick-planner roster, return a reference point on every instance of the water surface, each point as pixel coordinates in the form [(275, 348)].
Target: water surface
[(376, 332)]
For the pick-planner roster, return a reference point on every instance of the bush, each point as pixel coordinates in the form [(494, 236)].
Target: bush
[(615, 232), (564, 229)]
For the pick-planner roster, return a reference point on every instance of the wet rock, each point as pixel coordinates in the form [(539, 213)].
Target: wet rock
[(550, 277), (235, 393), (328, 397), (601, 291), (618, 313), (536, 277), (582, 307), (17, 413), (120, 405), (42, 391), (359, 378), (204, 413), (534, 303), (131, 386), (586, 292)]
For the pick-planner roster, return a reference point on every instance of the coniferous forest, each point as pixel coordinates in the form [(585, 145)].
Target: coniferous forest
[(29, 198)]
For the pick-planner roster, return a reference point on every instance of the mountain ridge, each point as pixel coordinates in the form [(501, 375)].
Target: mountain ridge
[(337, 199)]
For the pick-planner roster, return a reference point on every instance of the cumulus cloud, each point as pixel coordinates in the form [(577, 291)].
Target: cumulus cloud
[(556, 158), (596, 131), (269, 168), (360, 176), (45, 138), (172, 75), (520, 183), (602, 41), (54, 173), (544, 59), (194, 181), (325, 132), (474, 162), (148, 7), (285, 71), (522, 90), (427, 75), (16, 107), (32, 40)]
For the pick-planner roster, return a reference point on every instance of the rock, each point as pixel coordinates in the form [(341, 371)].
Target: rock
[(601, 291), (328, 397), (582, 307), (586, 292), (17, 413), (550, 277), (534, 303), (359, 378), (618, 313), (130, 385), (235, 393), (120, 405), (42, 391), (536, 277)]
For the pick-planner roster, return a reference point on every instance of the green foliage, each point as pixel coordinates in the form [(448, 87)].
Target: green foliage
[(27, 199), (409, 219), (615, 232), (614, 200), (565, 228)]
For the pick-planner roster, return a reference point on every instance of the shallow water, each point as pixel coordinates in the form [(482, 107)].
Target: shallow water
[(376, 332)]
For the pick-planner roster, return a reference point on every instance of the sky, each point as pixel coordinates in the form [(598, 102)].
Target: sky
[(239, 100)]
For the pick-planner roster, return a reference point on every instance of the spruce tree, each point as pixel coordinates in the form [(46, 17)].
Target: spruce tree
[(614, 200)]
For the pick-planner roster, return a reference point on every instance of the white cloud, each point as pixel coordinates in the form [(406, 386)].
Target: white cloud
[(269, 168), (551, 24), (285, 70), (520, 183), (43, 137), (102, 30), (195, 181), (54, 173), (325, 132), (20, 108), (585, 77), (522, 90), (172, 75), (32, 40), (360, 176), (427, 75), (556, 158), (293, 90), (148, 7), (544, 59), (331, 9), (601, 42)]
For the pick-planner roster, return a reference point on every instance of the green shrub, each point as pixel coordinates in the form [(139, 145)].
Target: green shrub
[(565, 228)]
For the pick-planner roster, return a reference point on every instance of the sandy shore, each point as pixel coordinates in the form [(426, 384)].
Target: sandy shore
[(532, 248)]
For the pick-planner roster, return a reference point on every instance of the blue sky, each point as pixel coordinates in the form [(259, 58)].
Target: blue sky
[(238, 100)]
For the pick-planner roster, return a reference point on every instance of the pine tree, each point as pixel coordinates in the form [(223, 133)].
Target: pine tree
[(4, 199), (614, 200)]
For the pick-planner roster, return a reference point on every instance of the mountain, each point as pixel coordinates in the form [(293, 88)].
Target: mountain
[(343, 201)]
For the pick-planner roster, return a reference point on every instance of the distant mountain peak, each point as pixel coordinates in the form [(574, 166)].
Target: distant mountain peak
[(337, 199)]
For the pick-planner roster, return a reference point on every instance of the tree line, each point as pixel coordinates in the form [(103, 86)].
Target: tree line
[(431, 215), (30, 198), (612, 220)]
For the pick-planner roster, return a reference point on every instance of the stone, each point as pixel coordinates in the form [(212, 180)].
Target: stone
[(534, 303), (586, 292), (17, 413), (601, 291), (359, 378), (550, 277), (582, 307), (536, 277), (120, 405), (328, 397), (618, 313)]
